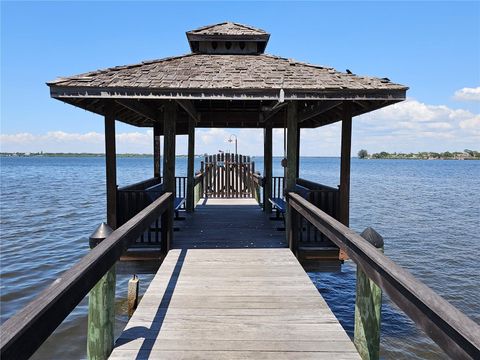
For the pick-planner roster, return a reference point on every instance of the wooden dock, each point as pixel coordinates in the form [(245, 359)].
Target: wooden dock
[(233, 304), (230, 289)]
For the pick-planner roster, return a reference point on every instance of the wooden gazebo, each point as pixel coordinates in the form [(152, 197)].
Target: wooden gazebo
[(227, 81)]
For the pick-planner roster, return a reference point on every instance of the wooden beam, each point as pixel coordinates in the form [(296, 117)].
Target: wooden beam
[(191, 165), (297, 169), (267, 167), (156, 150), (140, 108), (189, 107), (271, 112), (111, 170), (170, 117), (345, 163), (292, 148), (320, 108)]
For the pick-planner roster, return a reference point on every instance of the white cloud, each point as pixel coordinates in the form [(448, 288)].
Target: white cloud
[(415, 126), (407, 126), (467, 94)]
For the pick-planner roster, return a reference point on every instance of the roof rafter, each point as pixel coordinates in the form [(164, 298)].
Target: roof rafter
[(189, 107), (318, 109), (140, 108)]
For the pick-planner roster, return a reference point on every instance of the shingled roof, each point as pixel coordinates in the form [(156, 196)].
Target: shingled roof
[(227, 28), (239, 86), (219, 73)]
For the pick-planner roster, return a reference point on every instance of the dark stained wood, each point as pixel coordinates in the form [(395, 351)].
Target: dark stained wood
[(345, 157), (111, 170), (228, 223), (189, 107), (156, 150), (140, 108), (317, 109), (454, 332), (191, 165), (24, 332), (297, 170), (292, 146), (170, 114)]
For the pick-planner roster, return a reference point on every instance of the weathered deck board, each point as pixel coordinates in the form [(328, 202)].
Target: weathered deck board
[(233, 304), (228, 223)]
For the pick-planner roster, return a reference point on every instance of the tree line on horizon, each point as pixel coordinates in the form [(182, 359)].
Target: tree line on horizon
[(424, 155)]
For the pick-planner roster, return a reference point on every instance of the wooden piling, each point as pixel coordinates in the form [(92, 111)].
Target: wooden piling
[(101, 307), (101, 317), (132, 296), (101, 299), (368, 306)]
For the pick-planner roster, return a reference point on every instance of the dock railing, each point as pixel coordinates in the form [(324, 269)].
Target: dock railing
[(132, 199), (198, 187), (452, 330), (23, 333)]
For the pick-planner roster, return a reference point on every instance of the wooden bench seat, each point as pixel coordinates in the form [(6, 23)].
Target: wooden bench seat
[(155, 191)]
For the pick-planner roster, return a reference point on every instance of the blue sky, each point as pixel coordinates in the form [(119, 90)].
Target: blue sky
[(432, 47)]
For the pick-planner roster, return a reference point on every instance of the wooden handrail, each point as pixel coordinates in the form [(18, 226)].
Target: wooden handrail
[(315, 186), (23, 333), (452, 330), (141, 185)]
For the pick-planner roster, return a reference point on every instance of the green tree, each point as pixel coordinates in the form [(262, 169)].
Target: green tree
[(362, 154)]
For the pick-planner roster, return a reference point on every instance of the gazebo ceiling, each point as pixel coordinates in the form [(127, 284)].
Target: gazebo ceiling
[(226, 82)]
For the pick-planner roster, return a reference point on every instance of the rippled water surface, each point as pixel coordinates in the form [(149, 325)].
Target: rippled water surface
[(427, 211)]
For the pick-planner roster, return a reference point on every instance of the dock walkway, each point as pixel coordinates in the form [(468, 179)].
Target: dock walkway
[(232, 303)]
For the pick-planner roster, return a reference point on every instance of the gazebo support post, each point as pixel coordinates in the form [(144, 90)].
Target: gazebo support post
[(170, 119), (345, 163), (298, 153), (267, 167), (191, 165), (101, 300), (291, 170), (156, 150)]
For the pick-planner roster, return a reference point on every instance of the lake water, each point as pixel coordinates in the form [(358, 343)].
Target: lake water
[(427, 211)]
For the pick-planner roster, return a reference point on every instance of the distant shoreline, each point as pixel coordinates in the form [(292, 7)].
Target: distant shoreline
[(424, 155), (129, 155)]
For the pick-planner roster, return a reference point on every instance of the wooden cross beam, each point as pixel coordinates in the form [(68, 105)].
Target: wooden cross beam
[(268, 113), (189, 107), (140, 108), (320, 108)]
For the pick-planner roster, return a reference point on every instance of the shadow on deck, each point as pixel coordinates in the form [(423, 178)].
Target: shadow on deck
[(216, 223), (228, 223)]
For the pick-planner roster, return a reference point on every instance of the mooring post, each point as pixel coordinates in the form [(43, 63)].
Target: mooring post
[(132, 296), (101, 306), (368, 307)]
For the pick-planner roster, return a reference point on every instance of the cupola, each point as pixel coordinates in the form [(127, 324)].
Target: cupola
[(228, 38)]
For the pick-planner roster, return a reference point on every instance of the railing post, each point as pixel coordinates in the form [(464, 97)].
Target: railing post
[(167, 227), (293, 227), (368, 306), (101, 307)]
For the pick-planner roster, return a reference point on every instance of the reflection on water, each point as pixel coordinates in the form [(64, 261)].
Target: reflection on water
[(427, 211)]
